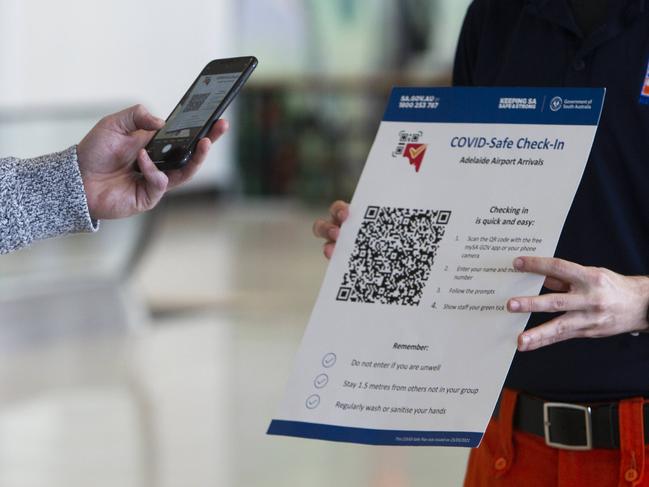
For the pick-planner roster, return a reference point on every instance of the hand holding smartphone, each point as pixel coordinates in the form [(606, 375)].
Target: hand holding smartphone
[(203, 104)]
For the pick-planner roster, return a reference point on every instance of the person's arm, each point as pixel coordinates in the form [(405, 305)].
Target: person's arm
[(41, 198), (68, 192)]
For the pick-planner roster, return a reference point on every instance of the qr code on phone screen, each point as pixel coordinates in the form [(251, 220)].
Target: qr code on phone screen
[(195, 102)]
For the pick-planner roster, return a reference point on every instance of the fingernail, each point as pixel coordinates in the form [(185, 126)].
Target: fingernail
[(514, 305), (525, 341), (518, 263), (326, 250), (333, 233), (340, 214)]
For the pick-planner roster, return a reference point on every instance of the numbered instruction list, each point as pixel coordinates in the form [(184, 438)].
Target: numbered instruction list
[(409, 341)]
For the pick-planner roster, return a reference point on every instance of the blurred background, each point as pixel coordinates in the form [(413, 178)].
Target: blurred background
[(155, 352)]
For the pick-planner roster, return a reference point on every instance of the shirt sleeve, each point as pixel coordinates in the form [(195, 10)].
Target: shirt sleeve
[(41, 198)]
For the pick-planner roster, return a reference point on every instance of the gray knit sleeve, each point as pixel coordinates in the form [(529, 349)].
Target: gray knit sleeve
[(41, 198)]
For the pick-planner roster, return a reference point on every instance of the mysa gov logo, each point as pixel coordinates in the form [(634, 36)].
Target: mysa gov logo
[(410, 148)]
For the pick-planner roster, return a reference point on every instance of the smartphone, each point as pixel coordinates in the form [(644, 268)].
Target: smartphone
[(203, 104)]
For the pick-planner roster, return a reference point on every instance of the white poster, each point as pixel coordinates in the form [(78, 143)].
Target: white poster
[(409, 342)]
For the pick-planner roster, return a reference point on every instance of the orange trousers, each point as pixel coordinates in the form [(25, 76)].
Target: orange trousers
[(508, 458)]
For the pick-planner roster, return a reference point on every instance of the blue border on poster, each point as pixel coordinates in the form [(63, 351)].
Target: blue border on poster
[(542, 106), (346, 434)]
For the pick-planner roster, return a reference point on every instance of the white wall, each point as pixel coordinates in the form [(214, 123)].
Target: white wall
[(79, 53)]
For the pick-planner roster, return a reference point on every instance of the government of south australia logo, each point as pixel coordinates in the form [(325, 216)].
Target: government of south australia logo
[(556, 103), (410, 148)]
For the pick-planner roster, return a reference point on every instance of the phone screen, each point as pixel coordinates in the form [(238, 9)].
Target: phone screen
[(203, 103), (194, 110)]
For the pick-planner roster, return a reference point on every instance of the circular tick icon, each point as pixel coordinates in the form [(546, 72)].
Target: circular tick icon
[(313, 401), (329, 360), (321, 381)]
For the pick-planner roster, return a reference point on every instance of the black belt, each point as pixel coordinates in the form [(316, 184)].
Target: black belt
[(572, 426)]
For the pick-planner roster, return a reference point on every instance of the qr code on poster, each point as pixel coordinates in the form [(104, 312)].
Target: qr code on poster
[(393, 255)]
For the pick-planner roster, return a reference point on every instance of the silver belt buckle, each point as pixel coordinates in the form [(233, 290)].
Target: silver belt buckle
[(587, 421)]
